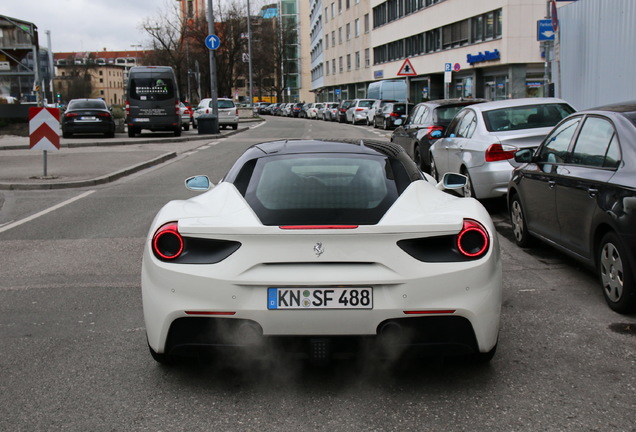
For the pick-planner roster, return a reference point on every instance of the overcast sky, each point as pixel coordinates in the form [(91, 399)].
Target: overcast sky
[(87, 25)]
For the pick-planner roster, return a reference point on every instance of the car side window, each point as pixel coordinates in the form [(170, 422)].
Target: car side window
[(421, 115), (593, 142), (467, 124), (452, 127), (555, 147)]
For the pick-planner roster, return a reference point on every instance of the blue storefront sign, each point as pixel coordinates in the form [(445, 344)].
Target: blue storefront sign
[(483, 57)]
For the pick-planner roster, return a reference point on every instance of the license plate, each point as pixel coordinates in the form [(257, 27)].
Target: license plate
[(88, 118), (320, 298), (141, 120)]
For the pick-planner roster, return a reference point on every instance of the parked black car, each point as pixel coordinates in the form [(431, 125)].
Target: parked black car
[(425, 125), (386, 117), (297, 109), (577, 192), (88, 116), (342, 110)]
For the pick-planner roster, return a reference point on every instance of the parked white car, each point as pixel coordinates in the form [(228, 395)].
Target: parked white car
[(357, 112), (228, 112)]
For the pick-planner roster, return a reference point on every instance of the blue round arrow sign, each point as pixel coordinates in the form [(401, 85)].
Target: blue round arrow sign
[(212, 42)]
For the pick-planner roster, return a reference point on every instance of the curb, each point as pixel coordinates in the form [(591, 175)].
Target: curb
[(90, 182)]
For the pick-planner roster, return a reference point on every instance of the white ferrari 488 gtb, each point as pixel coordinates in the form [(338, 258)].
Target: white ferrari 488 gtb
[(318, 246)]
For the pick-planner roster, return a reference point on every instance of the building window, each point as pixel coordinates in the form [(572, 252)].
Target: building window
[(366, 23), (333, 38), (333, 66), (367, 57), (339, 35), (327, 66), (327, 41), (348, 31), (348, 62), (357, 59), (326, 14), (333, 10), (357, 27)]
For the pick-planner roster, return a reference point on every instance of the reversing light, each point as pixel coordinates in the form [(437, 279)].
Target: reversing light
[(167, 243), (499, 152), (473, 240)]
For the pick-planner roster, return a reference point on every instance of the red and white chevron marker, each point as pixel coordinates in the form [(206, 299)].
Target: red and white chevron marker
[(44, 128)]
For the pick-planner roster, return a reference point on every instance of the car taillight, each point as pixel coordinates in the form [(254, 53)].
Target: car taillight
[(127, 108), (473, 240), (432, 129), (393, 114), (167, 243), (71, 115), (177, 108), (103, 115), (236, 112), (359, 109), (499, 152)]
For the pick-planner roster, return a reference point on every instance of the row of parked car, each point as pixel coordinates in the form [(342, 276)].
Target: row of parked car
[(379, 113), (569, 176)]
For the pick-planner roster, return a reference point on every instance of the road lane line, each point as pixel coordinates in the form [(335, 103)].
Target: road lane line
[(45, 211)]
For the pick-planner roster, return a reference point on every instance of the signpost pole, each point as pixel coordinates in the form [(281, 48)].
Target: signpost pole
[(212, 54)]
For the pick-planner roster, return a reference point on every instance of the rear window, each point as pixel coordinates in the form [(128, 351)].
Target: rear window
[(446, 113), (365, 104), (152, 89), (321, 189), (526, 117), (84, 104), (224, 103)]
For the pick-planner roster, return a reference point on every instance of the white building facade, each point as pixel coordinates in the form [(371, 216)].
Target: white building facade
[(491, 45)]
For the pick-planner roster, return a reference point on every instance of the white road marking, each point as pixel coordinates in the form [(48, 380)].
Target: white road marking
[(43, 212)]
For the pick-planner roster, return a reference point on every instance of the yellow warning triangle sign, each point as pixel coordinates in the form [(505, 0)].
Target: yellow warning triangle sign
[(407, 69)]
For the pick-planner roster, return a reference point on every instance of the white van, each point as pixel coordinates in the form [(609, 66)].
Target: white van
[(387, 89)]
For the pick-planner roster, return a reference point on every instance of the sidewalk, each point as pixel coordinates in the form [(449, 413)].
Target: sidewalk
[(89, 161)]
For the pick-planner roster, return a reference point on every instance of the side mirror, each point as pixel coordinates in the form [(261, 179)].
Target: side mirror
[(436, 134), (198, 183), (523, 156), (452, 181), (398, 122)]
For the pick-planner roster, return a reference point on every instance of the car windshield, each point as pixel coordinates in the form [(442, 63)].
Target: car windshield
[(321, 189), (87, 104), (526, 117)]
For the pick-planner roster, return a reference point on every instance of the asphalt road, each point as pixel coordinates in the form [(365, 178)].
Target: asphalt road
[(74, 354)]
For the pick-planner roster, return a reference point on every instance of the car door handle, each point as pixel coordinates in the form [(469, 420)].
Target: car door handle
[(551, 184), (592, 192)]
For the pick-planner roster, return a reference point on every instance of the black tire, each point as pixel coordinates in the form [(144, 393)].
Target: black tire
[(235, 126), (177, 131), (469, 190), (617, 278), (519, 224), (434, 173), (417, 157), (186, 127), (194, 124), (131, 132), (164, 359)]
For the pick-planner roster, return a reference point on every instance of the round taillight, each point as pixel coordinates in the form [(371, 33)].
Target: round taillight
[(473, 240), (167, 243)]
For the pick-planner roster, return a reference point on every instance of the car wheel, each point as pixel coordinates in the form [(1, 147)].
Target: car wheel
[(177, 131), (131, 132), (518, 221), (375, 125), (616, 277), (384, 125), (417, 157), (186, 127), (469, 190), (368, 122), (433, 169), (235, 126), (194, 124)]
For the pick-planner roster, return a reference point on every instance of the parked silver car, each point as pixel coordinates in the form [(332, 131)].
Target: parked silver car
[(228, 112), (377, 106), (482, 137), (357, 111)]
